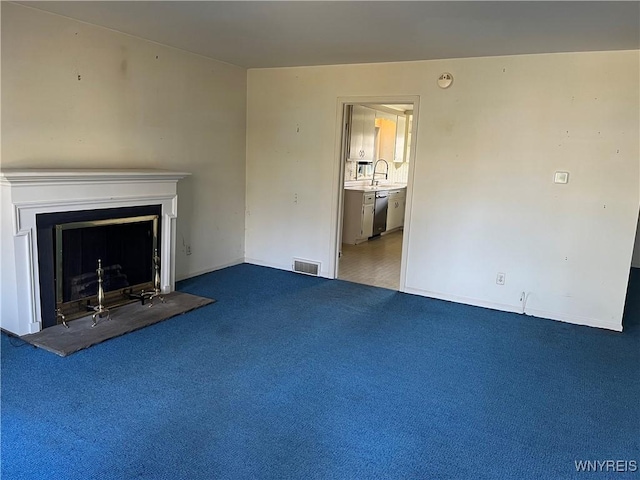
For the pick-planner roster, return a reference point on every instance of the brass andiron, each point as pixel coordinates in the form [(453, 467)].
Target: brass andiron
[(156, 292), (61, 315), (100, 309), (156, 279)]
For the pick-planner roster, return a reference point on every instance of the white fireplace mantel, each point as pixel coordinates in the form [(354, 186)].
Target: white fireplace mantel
[(28, 192)]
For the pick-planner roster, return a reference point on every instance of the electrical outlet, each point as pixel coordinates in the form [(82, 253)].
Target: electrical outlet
[(188, 249), (500, 278)]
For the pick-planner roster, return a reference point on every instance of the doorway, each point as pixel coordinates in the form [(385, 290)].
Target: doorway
[(631, 316), (376, 170)]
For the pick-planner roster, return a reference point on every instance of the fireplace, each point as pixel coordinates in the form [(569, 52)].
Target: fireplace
[(70, 244), (43, 211)]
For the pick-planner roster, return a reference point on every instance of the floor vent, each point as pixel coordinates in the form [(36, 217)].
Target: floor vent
[(307, 267)]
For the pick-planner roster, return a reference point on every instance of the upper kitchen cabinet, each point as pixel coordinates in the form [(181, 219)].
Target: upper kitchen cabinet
[(403, 137), (363, 132), (393, 136), (401, 125), (407, 135), (386, 137)]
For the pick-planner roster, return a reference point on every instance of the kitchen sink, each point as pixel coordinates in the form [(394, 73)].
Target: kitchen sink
[(388, 186), (376, 188)]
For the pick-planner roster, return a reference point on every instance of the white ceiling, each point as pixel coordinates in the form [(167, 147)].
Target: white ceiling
[(275, 34)]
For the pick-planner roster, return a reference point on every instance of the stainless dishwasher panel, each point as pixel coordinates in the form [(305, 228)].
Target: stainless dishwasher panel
[(380, 215)]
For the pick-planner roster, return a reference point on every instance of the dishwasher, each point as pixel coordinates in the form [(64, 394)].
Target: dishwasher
[(380, 215)]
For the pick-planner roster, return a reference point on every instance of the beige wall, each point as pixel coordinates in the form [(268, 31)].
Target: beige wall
[(483, 200), (79, 96)]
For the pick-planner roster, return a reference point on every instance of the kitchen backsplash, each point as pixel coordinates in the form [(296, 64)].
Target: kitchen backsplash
[(398, 172)]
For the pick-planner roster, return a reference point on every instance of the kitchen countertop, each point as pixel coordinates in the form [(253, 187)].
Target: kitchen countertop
[(375, 188)]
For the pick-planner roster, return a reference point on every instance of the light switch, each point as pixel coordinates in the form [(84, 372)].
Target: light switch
[(561, 177)]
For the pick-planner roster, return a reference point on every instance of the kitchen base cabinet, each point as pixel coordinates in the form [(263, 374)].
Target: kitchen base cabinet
[(395, 209), (357, 223)]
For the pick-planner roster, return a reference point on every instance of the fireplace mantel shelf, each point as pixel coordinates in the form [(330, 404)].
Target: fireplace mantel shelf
[(36, 176)]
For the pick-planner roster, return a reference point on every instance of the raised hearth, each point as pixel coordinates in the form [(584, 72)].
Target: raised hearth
[(28, 194)]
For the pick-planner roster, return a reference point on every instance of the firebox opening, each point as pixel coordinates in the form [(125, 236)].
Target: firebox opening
[(70, 245)]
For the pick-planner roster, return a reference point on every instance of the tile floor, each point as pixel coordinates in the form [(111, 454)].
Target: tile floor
[(376, 262)]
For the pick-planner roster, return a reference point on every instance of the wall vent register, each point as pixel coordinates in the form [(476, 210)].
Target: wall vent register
[(306, 267)]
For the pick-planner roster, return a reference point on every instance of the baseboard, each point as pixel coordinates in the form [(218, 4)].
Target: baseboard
[(237, 261), (574, 319), (279, 266), (264, 263), (474, 302)]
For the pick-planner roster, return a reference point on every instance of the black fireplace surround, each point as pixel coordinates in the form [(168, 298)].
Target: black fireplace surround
[(125, 249)]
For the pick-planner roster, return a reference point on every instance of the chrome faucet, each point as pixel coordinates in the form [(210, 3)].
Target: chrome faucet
[(386, 173)]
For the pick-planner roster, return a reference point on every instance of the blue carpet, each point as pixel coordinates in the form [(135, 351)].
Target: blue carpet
[(294, 377)]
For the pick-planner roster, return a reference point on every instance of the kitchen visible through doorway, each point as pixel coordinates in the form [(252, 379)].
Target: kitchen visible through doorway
[(377, 147)]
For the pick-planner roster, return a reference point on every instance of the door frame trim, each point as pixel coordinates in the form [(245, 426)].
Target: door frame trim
[(338, 184)]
